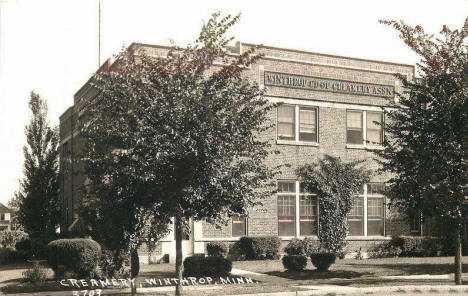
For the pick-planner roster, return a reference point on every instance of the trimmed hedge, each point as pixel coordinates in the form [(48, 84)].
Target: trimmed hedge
[(79, 256), (303, 247), (322, 261), (199, 266), (216, 249), (294, 262), (411, 247), (260, 248)]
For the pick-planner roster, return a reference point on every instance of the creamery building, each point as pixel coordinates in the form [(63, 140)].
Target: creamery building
[(329, 106)]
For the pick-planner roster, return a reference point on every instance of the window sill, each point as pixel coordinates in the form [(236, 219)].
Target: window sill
[(364, 147), (367, 238), (296, 143)]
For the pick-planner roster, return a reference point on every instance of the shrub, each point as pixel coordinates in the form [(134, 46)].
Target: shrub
[(31, 248), (216, 249), (36, 274), (235, 253), (199, 265), (9, 238), (260, 248), (294, 262), (113, 264), (217, 266), (79, 256), (8, 256), (193, 265), (322, 261), (303, 247)]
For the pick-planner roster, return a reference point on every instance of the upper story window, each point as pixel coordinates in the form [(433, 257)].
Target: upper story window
[(354, 134), (297, 123), (286, 122), (374, 128), (364, 127)]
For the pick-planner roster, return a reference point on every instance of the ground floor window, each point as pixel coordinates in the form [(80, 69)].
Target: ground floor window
[(298, 211), (239, 226), (286, 209)]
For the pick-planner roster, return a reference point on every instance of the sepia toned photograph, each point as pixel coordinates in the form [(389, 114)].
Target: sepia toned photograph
[(244, 148)]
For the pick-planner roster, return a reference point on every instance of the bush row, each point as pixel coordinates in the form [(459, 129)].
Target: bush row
[(199, 266), (412, 247)]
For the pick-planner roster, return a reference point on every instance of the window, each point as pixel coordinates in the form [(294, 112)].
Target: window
[(375, 209), (415, 224), (355, 217), (2, 217), (298, 123), (374, 132), (354, 127), (286, 122), (307, 212), (239, 226), (359, 121), (286, 208), (308, 124)]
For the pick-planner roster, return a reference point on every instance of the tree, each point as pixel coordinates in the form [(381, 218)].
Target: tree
[(180, 134), (336, 184), (427, 144), (38, 196)]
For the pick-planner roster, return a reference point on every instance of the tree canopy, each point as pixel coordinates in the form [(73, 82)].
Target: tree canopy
[(179, 134), (427, 144), (38, 196)]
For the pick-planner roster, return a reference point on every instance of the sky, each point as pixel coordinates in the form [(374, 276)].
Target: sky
[(51, 46)]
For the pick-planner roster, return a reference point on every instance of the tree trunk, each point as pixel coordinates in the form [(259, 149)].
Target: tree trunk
[(179, 266), (458, 257), (134, 268)]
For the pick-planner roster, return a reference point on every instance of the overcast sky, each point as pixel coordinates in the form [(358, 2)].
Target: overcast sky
[(51, 47)]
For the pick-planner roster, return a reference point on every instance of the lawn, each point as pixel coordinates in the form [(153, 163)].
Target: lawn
[(272, 276)]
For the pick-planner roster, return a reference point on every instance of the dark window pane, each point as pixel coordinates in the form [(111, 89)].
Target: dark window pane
[(354, 127), (374, 132), (354, 137), (286, 228), (308, 215), (356, 227), (375, 188), (356, 217), (286, 215), (286, 123), (286, 187), (239, 226), (308, 124), (375, 216)]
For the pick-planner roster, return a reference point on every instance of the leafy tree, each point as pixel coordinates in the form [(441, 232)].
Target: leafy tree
[(38, 196), (180, 134), (336, 184), (426, 150)]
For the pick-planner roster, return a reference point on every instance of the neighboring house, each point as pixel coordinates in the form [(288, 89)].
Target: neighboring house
[(328, 105), (5, 218)]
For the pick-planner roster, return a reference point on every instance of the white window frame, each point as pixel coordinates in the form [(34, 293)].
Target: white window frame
[(298, 213), (297, 118), (365, 204), (365, 144)]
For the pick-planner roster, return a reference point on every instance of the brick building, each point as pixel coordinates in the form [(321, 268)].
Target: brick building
[(329, 105)]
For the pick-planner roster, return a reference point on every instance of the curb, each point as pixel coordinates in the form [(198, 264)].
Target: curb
[(344, 290)]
